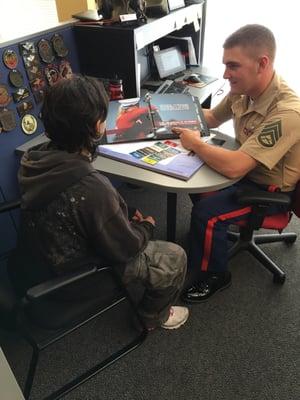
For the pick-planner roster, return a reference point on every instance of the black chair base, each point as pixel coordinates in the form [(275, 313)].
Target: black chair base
[(247, 240)]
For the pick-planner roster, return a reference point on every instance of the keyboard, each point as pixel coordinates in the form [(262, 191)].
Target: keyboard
[(169, 86)]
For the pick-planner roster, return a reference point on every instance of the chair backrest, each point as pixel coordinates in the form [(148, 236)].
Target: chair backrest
[(296, 201)]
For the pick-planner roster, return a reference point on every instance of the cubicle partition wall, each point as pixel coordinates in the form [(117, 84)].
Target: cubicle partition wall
[(27, 66), (123, 51)]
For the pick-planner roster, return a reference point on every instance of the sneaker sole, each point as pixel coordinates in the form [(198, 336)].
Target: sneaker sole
[(176, 326), (208, 298)]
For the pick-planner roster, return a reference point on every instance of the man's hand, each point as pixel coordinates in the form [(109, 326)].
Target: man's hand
[(188, 137)]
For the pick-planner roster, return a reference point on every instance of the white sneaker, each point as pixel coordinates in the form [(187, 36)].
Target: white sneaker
[(178, 316)]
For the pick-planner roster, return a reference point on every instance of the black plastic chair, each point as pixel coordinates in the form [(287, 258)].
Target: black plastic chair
[(246, 239), (38, 309)]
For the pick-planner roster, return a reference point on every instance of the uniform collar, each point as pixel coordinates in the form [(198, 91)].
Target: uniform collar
[(262, 103)]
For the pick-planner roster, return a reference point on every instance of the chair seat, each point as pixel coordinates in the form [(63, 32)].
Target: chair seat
[(53, 315), (277, 221)]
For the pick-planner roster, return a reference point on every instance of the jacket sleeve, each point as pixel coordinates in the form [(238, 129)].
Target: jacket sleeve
[(105, 224)]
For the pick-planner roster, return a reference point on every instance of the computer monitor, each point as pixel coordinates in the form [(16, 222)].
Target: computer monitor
[(169, 61)]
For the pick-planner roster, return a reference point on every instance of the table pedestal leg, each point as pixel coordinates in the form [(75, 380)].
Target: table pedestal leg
[(171, 216)]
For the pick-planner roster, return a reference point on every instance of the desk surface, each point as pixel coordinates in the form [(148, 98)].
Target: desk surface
[(204, 180)]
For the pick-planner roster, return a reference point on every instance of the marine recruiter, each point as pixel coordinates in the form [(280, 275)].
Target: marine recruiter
[(266, 116)]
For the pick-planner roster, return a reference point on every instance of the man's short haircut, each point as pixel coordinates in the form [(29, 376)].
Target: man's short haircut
[(256, 37), (71, 110)]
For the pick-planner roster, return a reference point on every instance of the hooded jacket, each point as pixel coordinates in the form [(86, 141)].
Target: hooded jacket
[(72, 214)]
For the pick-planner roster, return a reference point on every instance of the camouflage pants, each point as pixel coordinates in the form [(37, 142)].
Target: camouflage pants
[(161, 268)]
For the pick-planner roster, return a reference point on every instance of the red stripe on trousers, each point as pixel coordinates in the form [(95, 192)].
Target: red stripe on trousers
[(209, 232)]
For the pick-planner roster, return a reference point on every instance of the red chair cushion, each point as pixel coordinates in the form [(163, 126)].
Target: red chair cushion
[(277, 221)]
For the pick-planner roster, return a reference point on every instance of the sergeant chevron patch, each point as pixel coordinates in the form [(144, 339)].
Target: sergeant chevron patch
[(270, 134)]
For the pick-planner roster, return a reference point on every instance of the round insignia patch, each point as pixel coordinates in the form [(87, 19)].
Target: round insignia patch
[(10, 58), (29, 124), (5, 98), (59, 45), (45, 51), (16, 78)]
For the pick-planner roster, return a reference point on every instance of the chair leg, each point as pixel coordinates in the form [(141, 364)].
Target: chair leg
[(278, 274), (97, 368), (275, 237), (32, 369), (245, 241)]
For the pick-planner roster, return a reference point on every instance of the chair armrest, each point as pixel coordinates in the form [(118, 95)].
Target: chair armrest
[(261, 197), (50, 286), (9, 205)]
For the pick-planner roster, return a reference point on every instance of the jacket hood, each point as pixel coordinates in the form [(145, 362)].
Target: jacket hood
[(46, 171)]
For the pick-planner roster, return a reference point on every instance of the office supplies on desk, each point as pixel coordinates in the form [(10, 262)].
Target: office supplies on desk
[(152, 117), (166, 157), (169, 86)]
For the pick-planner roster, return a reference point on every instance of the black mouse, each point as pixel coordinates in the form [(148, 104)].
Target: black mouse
[(193, 78)]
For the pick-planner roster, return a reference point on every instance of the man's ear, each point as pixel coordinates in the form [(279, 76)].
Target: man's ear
[(263, 63)]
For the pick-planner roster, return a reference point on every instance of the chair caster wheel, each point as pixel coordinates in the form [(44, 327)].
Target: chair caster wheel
[(279, 279)]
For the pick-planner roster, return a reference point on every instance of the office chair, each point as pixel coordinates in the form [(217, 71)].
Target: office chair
[(246, 239), (58, 319)]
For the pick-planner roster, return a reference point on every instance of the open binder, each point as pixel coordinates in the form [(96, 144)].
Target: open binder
[(151, 117)]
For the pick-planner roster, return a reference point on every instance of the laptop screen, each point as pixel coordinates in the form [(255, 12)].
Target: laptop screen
[(169, 61)]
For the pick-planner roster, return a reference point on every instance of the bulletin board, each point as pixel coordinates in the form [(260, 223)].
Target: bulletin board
[(28, 66)]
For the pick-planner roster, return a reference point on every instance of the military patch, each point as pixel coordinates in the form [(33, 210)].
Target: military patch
[(8, 120), (10, 58), (29, 124), (270, 134)]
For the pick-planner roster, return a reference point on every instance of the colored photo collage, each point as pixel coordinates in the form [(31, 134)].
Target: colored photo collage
[(157, 152)]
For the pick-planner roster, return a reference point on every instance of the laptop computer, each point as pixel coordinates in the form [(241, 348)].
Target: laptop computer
[(171, 64), (169, 61)]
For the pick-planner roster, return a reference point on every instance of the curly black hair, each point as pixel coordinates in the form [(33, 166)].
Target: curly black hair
[(71, 110)]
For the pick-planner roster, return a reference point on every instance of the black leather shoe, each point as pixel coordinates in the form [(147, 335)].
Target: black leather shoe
[(204, 289)]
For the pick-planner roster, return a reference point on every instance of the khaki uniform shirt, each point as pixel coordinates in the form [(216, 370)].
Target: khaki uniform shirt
[(268, 129)]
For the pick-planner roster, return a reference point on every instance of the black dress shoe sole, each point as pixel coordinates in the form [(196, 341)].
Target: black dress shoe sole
[(191, 301)]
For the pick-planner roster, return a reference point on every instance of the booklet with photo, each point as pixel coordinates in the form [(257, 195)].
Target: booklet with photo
[(167, 157), (151, 117)]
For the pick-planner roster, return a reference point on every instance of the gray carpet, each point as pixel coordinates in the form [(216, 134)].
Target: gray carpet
[(243, 344)]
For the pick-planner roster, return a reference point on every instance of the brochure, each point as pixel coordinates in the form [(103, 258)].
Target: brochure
[(151, 117), (167, 157)]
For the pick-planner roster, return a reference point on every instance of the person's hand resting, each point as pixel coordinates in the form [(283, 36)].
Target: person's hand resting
[(189, 138), (138, 217)]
